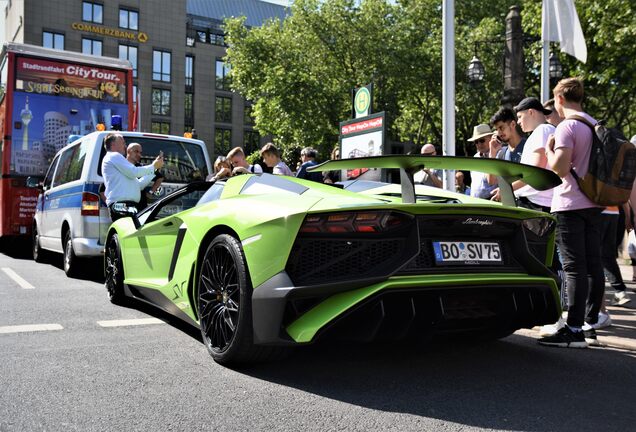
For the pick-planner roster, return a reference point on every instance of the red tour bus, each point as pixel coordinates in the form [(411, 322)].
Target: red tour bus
[(48, 96)]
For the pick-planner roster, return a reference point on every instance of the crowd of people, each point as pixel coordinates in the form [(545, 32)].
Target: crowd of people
[(551, 135), (554, 135)]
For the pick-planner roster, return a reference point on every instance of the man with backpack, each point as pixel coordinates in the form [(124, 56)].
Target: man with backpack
[(578, 218)]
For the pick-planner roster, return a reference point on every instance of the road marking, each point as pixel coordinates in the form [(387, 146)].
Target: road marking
[(129, 322), (17, 279), (29, 328)]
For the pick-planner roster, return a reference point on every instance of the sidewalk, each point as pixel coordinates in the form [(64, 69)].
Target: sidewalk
[(622, 333)]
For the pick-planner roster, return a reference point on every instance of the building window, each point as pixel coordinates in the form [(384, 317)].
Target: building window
[(161, 65), (222, 141), (134, 93), (127, 52), (248, 117), (251, 141), (53, 40), (161, 102), (160, 127), (189, 71), (223, 109), (92, 12), (91, 46), (222, 81), (217, 39), (128, 19), (202, 36), (189, 109)]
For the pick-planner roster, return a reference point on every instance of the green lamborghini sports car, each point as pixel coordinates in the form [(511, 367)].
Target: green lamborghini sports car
[(260, 262)]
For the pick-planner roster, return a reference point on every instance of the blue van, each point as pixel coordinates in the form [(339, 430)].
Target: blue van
[(71, 216)]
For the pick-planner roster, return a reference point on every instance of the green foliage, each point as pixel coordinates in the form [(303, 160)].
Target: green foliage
[(300, 72), (610, 30)]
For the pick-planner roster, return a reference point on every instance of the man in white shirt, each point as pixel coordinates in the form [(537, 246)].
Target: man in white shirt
[(121, 178), (531, 116)]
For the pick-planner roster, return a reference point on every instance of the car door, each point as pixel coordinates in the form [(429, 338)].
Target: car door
[(150, 252)]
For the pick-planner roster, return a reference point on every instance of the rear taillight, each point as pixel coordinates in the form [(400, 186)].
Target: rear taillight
[(90, 204), (354, 222)]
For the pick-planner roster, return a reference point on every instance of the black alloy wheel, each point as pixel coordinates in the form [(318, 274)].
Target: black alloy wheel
[(114, 271), (225, 309), (70, 260)]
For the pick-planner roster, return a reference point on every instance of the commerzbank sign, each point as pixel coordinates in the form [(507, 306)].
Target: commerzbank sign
[(113, 32)]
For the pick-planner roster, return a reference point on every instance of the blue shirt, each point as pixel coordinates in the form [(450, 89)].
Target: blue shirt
[(121, 178), (314, 176), (506, 153)]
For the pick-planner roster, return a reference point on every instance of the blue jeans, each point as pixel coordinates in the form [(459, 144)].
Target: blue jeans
[(579, 240)]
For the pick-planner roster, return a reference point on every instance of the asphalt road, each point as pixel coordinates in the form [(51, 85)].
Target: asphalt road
[(83, 375)]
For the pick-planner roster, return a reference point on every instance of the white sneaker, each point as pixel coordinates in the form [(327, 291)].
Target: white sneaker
[(604, 320), (552, 329), (621, 298)]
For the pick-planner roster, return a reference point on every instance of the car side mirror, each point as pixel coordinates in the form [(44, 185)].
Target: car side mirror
[(122, 210), (33, 182)]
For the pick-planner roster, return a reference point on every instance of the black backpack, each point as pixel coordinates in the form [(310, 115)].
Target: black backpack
[(612, 167)]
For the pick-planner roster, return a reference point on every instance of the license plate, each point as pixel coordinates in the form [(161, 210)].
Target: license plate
[(467, 253)]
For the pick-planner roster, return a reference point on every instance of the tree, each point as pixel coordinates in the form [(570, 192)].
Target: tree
[(300, 72), (610, 31)]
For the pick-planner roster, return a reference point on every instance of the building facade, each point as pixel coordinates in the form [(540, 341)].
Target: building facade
[(176, 48)]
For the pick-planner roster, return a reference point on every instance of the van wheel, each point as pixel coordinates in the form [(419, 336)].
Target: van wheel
[(70, 260), (38, 253)]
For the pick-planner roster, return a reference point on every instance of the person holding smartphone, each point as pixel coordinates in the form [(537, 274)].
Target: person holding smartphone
[(121, 178)]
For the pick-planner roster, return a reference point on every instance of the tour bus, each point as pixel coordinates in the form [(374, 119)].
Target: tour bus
[(47, 96)]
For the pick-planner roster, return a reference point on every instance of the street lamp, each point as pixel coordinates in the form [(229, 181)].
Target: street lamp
[(476, 71), (555, 69)]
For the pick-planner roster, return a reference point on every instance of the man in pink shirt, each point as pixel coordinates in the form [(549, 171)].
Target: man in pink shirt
[(578, 219)]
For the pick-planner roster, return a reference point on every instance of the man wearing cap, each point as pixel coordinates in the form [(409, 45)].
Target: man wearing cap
[(427, 176), (479, 187), (531, 116)]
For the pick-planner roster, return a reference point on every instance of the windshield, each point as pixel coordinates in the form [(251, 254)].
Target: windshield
[(184, 161)]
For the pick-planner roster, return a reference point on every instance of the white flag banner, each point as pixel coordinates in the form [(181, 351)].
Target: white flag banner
[(560, 23)]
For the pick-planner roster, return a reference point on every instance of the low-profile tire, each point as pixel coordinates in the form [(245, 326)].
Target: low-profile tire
[(114, 271), (225, 305), (70, 260), (39, 254)]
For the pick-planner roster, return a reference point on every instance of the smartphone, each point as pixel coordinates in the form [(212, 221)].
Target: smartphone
[(160, 153)]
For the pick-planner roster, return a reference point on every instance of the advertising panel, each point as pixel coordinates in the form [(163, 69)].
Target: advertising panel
[(53, 100), (361, 138)]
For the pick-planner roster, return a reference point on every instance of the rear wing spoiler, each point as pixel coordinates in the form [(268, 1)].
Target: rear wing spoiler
[(506, 172)]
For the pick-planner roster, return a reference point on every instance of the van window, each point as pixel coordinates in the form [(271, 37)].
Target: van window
[(48, 179), (71, 164)]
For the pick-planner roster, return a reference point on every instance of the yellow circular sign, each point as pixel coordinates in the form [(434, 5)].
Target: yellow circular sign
[(362, 101), (142, 37)]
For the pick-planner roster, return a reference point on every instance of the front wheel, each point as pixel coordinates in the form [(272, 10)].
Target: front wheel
[(114, 270), (38, 252), (70, 259), (225, 304)]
